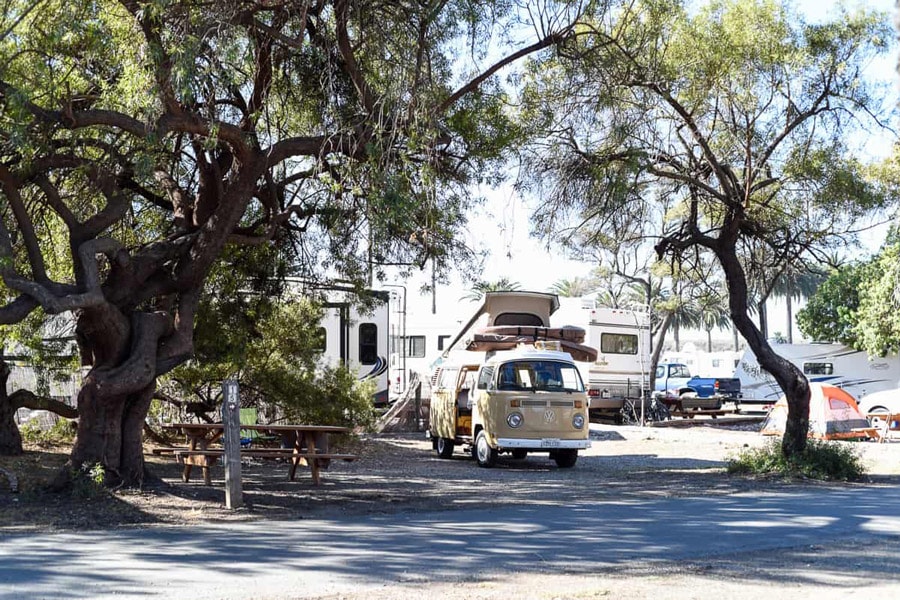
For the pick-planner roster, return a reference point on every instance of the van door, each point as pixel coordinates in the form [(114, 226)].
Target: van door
[(443, 404)]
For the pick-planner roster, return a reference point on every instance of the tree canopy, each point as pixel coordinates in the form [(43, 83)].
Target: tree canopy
[(139, 139), (858, 304), (733, 119)]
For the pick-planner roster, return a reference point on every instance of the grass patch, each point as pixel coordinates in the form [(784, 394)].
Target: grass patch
[(823, 460)]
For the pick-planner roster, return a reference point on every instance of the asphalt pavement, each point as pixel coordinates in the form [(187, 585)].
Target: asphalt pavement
[(301, 558)]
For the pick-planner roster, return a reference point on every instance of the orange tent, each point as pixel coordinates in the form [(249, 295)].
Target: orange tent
[(833, 414)]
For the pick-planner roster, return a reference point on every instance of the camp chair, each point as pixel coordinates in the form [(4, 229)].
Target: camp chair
[(250, 416)]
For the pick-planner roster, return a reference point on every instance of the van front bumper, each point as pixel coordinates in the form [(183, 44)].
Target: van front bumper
[(543, 444)]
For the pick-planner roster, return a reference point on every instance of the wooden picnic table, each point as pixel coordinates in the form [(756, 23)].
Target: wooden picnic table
[(883, 427), (301, 444)]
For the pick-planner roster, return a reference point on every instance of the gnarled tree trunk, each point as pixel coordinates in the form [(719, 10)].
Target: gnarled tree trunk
[(116, 395), (789, 377)]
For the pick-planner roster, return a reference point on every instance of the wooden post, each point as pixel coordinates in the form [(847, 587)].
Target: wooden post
[(231, 420), (418, 406)]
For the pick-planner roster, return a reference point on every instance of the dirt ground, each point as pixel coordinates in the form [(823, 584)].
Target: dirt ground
[(400, 473)]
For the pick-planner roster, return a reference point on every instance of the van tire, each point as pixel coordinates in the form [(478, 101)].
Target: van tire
[(483, 453), (565, 459), (444, 447)]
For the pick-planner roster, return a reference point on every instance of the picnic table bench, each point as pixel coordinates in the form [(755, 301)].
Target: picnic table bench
[(301, 445), (882, 421)]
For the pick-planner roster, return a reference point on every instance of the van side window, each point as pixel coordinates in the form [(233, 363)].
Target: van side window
[(486, 378), (448, 379)]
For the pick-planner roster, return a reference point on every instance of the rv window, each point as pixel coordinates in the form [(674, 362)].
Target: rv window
[(320, 340), (442, 339), (526, 319), (818, 368), (618, 343), (415, 346), (368, 343)]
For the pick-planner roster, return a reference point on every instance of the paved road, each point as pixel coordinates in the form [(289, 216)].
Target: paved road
[(313, 557)]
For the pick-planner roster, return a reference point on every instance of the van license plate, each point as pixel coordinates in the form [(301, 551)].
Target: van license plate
[(549, 443)]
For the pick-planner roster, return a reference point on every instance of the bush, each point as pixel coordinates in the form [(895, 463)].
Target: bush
[(62, 432), (829, 461)]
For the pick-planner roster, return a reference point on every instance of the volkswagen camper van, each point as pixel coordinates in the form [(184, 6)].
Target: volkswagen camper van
[(525, 400)]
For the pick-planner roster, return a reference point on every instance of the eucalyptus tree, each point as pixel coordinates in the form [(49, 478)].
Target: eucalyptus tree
[(735, 115), (139, 138)]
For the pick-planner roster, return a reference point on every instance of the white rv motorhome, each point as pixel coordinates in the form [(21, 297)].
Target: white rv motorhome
[(836, 364), (415, 346), (622, 369), (358, 338)]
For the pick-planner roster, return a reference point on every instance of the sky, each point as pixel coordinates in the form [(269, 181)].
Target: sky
[(502, 223)]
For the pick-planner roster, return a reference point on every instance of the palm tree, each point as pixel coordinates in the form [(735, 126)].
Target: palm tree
[(482, 287), (796, 284), (573, 288), (712, 312)]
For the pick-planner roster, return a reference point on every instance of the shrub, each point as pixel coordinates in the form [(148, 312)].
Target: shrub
[(62, 432), (830, 461)]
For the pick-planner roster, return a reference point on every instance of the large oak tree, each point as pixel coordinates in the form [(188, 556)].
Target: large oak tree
[(139, 138), (737, 116)]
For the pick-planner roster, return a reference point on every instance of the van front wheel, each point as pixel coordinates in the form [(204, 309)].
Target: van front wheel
[(565, 459), (444, 447), (484, 454)]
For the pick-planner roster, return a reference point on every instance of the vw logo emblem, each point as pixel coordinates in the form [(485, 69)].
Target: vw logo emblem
[(549, 416)]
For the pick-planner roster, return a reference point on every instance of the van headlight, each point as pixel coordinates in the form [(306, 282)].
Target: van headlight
[(578, 421), (515, 420)]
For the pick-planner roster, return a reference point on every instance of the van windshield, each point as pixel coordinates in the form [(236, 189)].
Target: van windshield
[(539, 375)]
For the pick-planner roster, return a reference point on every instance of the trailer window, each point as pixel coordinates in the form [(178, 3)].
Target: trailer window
[(618, 343), (818, 368), (368, 343)]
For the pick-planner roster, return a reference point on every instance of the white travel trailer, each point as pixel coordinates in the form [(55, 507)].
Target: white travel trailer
[(836, 364), (358, 337)]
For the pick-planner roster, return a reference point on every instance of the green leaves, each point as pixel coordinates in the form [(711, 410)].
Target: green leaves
[(831, 314)]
